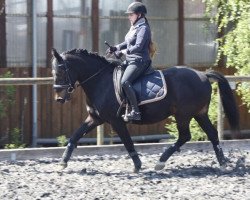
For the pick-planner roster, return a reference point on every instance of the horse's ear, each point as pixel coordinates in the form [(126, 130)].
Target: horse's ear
[(56, 54)]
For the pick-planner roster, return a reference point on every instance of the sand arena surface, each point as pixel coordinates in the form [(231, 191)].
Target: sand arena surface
[(187, 175)]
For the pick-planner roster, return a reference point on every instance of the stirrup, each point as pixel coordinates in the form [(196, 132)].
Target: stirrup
[(132, 116)]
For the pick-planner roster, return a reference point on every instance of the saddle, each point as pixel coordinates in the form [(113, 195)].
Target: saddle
[(148, 88)]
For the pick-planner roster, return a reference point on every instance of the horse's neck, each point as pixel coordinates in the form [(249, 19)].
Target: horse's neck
[(100, 83)]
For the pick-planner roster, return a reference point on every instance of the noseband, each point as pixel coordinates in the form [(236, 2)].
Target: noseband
[(70, 86)]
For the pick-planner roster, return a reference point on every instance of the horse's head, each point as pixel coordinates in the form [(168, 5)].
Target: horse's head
[(64, 82)]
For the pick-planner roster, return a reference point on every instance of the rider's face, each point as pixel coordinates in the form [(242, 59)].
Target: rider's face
[(132, 17)]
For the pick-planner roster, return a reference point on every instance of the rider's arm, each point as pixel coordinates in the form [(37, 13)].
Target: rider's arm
[(121, 46)]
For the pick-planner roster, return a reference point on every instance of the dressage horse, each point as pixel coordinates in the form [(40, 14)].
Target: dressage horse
[(188, 96)]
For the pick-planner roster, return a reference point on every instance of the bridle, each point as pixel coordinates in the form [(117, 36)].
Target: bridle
[(70, 87)]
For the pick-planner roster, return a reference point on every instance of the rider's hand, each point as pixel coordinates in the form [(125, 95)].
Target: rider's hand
[(119, 54), (112, 49)]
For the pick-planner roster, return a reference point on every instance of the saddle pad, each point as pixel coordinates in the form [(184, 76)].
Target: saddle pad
[(148, 88)]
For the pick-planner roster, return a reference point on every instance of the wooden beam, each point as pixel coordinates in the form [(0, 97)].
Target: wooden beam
[(95, 25), (181, 32), (50, 35), (26, 81), (3, 58)]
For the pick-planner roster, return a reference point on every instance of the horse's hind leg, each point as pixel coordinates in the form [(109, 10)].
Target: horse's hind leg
[(184, 136), (212, 135), (120, 128)]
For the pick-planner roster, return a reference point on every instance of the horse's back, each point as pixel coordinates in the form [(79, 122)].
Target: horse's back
[(186, 73), (183, 75)]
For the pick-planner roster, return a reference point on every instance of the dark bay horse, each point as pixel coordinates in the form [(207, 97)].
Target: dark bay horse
[(188, 96)]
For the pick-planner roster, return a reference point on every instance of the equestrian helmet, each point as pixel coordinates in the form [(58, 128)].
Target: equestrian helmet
[(137, 7)]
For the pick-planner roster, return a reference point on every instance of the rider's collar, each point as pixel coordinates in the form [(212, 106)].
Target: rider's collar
[(139, 23)]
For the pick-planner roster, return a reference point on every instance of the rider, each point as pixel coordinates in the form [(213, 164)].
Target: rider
[(136, 47)]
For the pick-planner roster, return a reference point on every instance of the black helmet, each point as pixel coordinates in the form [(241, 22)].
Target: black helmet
[(136, 7)]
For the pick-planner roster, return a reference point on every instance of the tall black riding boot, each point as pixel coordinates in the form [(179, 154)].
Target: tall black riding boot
[(134, 114)]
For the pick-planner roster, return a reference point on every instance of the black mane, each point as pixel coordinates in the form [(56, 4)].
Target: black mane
[(83, 52)]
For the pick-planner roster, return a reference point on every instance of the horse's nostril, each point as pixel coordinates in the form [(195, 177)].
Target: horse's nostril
[(60, 100)]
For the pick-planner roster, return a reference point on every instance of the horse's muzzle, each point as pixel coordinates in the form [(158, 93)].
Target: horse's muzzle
[(65, 98)]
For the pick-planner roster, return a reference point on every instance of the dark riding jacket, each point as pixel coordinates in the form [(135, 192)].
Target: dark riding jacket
[(137, 42)]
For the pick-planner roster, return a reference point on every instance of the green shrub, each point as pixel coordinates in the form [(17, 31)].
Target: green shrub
[(7, 95), (61, 140), (15, 140), (232, 19)]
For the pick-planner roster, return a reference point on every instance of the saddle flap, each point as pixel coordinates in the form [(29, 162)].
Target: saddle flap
[(117, 76)]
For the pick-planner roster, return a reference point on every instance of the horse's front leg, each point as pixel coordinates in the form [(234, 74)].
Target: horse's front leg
[(89, 124), (120, 128)]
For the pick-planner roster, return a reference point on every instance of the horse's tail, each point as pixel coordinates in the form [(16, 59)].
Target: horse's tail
[(228, 101)]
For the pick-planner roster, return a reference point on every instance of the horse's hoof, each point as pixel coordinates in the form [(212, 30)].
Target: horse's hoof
[(225, 168), (136, 170), (62, 165), (159, 165)]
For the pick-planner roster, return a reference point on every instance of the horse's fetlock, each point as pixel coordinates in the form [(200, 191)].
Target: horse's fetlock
[(133, 154), (188, 138), (68, 151), (71, 144)]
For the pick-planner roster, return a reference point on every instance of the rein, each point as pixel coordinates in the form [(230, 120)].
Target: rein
[(97, 73)]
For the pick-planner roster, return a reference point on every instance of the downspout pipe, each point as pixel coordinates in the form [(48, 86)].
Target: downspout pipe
[(34, 73)]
